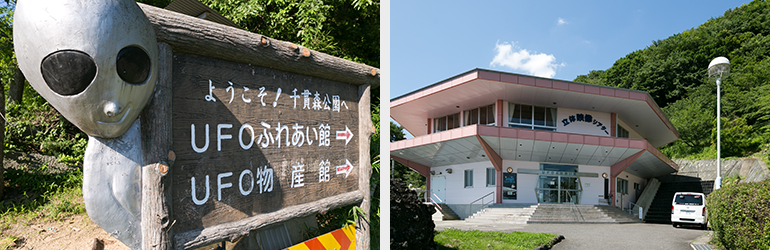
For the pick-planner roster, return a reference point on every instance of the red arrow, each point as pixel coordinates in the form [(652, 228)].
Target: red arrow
[(344, 135), (345, 169)]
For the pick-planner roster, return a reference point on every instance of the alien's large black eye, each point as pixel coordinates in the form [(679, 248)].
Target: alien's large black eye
[(68, 72), (133, 65)]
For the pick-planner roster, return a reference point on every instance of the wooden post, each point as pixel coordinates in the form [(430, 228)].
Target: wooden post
[(188, 34), (365, 132), (158, 158), (16, 90)]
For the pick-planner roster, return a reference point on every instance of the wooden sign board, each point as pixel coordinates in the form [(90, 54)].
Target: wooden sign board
[(251, 140), (245, 131)]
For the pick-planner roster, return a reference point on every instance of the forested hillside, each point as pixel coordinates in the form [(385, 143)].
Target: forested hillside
[(674, 72)]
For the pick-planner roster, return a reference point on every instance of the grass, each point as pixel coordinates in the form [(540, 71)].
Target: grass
[(460, 240), (8, 242), (40, 194)]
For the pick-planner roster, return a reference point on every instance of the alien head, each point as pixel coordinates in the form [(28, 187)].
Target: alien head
[(95, 61)]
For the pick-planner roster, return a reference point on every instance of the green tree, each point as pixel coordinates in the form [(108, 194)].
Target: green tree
[(738, 138), (593, 77), (694, 118), (673, 72), (348, 29), (8, 66)]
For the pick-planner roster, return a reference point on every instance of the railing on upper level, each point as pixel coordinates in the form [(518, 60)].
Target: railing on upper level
[(482, 203), (434, 201)]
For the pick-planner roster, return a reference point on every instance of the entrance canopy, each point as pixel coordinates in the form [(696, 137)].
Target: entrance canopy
[(462, 145)]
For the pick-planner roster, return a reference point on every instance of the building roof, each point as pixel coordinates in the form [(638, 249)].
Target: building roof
[(197, 9), (479, 87), (479, 143)]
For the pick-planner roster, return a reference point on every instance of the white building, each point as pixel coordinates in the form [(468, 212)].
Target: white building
[(523, 139)]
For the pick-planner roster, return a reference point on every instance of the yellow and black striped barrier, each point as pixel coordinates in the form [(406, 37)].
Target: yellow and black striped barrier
[(340, 239)]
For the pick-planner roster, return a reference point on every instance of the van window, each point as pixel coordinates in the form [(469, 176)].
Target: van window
[(689, 199)]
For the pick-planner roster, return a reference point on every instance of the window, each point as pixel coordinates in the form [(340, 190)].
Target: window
[(468, 178), (622, 132), (531, 117), (491, 174), (622, 186), (446, 122), (689, 199), (482, 115)]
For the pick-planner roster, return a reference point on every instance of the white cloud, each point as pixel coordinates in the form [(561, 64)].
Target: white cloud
[(537, 64), (561, 21)]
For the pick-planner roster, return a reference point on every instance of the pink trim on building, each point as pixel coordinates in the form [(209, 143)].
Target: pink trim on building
[(543, 83)]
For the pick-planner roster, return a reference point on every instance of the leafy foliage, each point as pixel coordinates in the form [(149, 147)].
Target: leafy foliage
[(406, 206), (342, 28), (34, 126), (674, 72), (43, 191), (740, 215)]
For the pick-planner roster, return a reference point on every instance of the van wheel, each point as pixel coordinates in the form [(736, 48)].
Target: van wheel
[(675, 225), (704, 226)]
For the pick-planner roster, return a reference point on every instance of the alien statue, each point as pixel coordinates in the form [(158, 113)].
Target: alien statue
[(95, 61)]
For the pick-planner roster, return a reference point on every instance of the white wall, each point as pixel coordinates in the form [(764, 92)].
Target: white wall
[(631, 196), (456, 193), (593, 187), (582, 127), (525, 190)]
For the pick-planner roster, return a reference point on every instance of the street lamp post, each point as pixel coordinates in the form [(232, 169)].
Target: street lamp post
[(719, 67)]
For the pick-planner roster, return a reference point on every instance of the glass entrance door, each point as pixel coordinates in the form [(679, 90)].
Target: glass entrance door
[(558, 189), (548, 189)]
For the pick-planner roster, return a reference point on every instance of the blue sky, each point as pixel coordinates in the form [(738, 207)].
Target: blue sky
[(434, 40)]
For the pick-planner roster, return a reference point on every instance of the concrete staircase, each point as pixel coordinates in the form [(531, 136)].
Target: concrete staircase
[(618, 214), (504, 213), (660, 208), (574, 213), (447, 212), (550, 213)]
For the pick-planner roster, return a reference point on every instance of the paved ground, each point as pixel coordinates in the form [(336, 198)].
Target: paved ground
[(599, 236)]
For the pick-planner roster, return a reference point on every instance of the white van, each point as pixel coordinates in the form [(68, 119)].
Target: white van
[(689, 208)]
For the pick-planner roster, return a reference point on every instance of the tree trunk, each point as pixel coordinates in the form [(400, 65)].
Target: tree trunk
[(2, 141), (16, 90), (365, 126), (158, 159)]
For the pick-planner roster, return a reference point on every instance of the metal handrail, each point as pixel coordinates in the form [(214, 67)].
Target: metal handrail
[(575, 209), (633, 205), (483, 204), (434, 202)]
